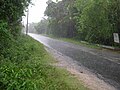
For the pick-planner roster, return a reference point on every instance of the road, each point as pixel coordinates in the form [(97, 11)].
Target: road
[(105, 64)]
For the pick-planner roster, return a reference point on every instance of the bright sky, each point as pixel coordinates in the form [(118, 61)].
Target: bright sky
[(36, 12)]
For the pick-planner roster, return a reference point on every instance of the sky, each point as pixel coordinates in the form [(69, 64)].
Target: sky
[(36, 12)]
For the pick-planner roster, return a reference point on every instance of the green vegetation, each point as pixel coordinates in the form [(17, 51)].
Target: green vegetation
[(11, 12), (24, 63), (93, 21), (82, 43), (26, 66), (76, 41)]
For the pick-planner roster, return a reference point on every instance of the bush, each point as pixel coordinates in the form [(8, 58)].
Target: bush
[(18, 63), (25, 65)]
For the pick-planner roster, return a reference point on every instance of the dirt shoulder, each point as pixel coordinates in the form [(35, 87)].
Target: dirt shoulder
[(89, 79)]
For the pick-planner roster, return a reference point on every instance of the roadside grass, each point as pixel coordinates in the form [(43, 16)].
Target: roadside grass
[(89, 45), (26, 66), (82, 43), (86, 44), (77, 42)]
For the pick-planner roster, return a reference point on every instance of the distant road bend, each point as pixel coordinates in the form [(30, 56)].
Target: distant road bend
[(100, 62)]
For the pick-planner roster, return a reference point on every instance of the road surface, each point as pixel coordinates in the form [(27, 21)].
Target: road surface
[(105, 64)]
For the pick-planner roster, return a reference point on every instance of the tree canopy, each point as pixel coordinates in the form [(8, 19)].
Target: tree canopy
[(93, 21), (11, 12)]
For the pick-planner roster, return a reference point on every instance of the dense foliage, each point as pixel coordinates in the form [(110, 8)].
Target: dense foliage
[(11, 12), (16, 70), (24, 63), (61, 21), (26, 66), (42, 26), (93, 21)]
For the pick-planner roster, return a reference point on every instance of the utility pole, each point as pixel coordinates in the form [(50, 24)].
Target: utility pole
[(27, 22)]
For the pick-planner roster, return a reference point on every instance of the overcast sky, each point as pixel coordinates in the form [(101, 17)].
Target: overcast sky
[(36, 12)]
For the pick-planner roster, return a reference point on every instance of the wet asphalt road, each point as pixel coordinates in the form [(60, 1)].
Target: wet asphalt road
[(105, 64)]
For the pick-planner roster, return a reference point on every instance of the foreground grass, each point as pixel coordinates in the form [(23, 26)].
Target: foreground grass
[(26, 66)]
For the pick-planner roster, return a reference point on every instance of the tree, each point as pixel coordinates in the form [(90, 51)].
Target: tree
[(42, 27), (11, 12), (114, 14), (93, 21), (96, 21), (61, 22)]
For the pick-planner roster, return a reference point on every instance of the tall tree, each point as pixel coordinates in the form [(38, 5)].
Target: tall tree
[(11, 12), (62, 22)]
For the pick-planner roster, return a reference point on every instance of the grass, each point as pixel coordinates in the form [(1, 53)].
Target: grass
[(82, 43), (25, 65), (89, 45), (77, 42)]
